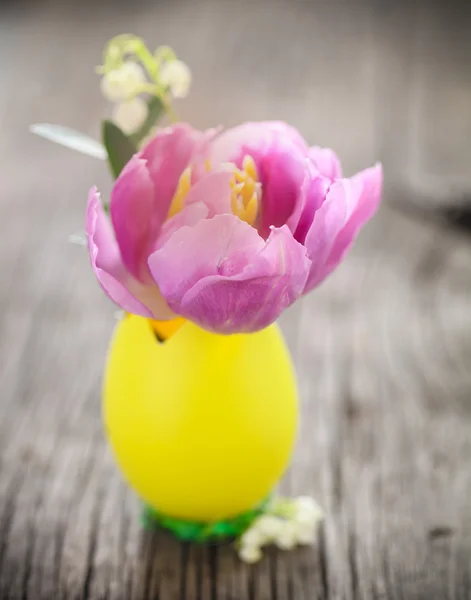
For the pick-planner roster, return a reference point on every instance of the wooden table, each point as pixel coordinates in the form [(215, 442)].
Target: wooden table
[(383, 349)]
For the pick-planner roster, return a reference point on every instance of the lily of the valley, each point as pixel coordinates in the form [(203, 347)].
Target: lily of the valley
[(287, 523), (226, 229), (121, 84)]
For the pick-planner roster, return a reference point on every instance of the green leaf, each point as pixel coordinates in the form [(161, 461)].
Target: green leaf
[(70, 139), (156, 108), (119, 146)]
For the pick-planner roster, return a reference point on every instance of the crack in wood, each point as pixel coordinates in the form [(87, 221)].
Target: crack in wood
[(184, 557), (213, 568), (323, 561), (7, 518), (28, 561), (59, 537), (92, 544), (273, 559), (352, 563)]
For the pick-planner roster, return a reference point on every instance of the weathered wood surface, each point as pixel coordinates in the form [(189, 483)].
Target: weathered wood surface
[(383, 349)]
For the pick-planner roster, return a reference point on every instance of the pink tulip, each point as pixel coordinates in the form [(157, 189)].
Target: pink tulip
[(226, 229)]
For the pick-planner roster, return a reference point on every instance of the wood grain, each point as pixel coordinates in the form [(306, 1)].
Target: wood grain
[(382, 349)]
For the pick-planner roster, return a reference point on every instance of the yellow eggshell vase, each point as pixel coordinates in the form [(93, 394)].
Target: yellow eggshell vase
[(203, 425)]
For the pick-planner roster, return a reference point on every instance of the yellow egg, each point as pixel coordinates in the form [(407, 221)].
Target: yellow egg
[(203, 425)]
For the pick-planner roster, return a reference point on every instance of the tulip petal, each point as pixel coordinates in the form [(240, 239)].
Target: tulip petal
[(111, 273), (187, 217), (192, 253), (143, 192), (313, 194), (213, 190), (282, 172), (279, 153), (230, 279), (168, 154), (253, 138), (349, 204), (371, 181), (326, 162), (135, 215)]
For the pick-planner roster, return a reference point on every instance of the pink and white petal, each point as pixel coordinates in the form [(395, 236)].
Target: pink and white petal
[(152, 298), (238, 282), (135, 216), (120, 295), (282, 172), (349, 204), (213, 190), (226, 306), (168, 154), (105, 257), (371, 181), (313, 194), (328, 222), (282, 256), (279, 153), (254, 298), (223, 244), (254, 138), (116, 281), (189, 216), (326, 161)]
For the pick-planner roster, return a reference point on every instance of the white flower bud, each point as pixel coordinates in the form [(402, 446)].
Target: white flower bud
[(306, 511), (269, 527), (287, 537), (120, 84), (250, 554), (130, 116), (252, 537), (176, 75), (304, 535)]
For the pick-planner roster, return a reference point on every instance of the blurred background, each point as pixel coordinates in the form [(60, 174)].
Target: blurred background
[(382, 348), (375, 80)]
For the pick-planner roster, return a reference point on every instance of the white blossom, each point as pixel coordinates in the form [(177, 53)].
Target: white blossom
[(305, 535), (306, 511), (286, 523), (252, 537), (250, 554), (130, 116), (268, 527), (287, 537), (176, 75), (121, 84)]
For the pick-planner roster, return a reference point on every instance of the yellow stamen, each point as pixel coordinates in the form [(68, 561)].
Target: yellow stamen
[(235, 204), (237, 187), (250, 213), (183, 187), (248, 165), (245, 191)]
